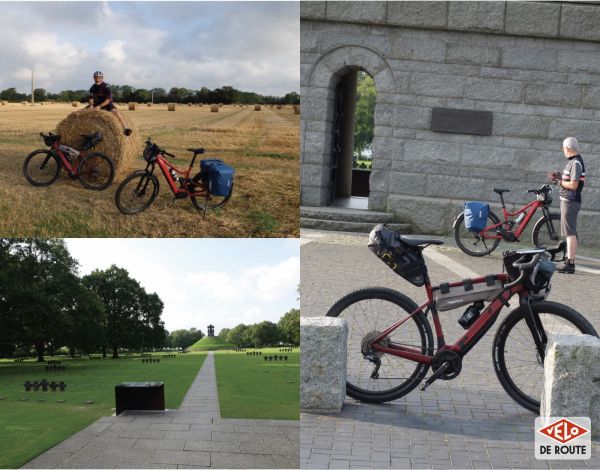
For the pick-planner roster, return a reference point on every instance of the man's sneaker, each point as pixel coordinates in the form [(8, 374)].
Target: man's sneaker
[(567, 268), (127, 132)]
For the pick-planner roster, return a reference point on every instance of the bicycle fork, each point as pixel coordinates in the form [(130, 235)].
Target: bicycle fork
[(536, 328)]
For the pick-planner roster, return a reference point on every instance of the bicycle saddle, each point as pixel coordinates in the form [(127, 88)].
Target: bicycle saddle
[(411, 240), (500, 191), (196, 151)]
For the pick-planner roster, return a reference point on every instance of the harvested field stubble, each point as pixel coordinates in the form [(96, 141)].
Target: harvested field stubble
[(115, 145), (262, 147)]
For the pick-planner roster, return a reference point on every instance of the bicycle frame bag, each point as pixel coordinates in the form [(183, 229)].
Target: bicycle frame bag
[(220, 179), (406, 261), (476, 214), (448, 298)]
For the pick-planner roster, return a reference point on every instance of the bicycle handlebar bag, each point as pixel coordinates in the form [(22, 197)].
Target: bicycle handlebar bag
[(476, 214), (404, 260)]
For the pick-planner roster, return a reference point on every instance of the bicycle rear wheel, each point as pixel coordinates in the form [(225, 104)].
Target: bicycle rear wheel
[(517, 363), (41, 167), (472, 243), (136, 193), (546, 233), (96, 171), (204, 199), (369, 312)]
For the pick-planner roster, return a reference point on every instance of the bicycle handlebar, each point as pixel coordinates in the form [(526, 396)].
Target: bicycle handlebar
[(167, 153)]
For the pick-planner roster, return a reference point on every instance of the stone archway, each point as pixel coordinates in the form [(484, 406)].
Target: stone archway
[(333, 68)]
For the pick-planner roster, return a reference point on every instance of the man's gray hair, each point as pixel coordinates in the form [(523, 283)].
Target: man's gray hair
[(571, 143)]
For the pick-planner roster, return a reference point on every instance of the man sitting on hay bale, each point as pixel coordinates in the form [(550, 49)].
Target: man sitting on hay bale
[(101, 98)]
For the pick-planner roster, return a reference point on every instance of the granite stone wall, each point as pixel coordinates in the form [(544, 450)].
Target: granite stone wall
[(534, 66)]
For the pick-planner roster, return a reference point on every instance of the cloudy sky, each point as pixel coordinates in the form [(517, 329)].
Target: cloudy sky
[(203, 281), (252, 46)]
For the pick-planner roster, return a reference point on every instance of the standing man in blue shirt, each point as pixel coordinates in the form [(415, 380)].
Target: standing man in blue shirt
[(101, 98), (571, 184)]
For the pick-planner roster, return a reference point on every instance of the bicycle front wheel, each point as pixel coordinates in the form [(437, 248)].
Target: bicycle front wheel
[(206, 200), (136, 193), (472, 243), (546, 233), (518, 365), (96, 171), (369, 312), (41, 167)]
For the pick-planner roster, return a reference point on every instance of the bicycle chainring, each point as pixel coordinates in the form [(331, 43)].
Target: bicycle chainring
[(365, 344), (447, 356)]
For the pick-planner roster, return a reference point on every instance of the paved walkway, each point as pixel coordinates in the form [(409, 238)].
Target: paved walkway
[(193, 436), (468, 422)]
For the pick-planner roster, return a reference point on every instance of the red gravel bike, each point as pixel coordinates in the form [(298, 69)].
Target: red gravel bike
[(391, 344), (139, 190), (546, 231), (94, 170)]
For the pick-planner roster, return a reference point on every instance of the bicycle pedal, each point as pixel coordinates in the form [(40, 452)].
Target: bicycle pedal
[(436, 375)]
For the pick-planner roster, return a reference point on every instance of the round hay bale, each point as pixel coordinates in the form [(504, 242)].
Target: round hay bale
[(189, 104), (74, 103), (24, 103), (4, 103), (171, 106), (131, 106), (120, 148), (148, 104), (296, 109), (257, 107), (214, 108)]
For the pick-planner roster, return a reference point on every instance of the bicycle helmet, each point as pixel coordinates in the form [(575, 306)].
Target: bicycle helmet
[(97, 73)]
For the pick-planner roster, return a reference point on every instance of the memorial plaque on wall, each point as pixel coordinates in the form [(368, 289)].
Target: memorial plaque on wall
[(461, 121)]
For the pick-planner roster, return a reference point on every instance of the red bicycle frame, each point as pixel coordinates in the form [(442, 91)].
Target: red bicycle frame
[(71, 170), (471, 337), (492, 231), (188, 189)]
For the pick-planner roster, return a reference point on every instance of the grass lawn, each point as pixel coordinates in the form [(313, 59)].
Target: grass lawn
[(252, 388), (28, 428)]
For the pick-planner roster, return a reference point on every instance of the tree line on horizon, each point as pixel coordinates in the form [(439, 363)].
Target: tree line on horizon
[(286, 332), (46, 306), (126, 94)]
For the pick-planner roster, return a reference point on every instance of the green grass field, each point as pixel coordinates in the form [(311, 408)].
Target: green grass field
[(252, 388), (28, 428)]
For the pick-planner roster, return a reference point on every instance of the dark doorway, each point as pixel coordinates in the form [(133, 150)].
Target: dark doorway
[(351, 141)]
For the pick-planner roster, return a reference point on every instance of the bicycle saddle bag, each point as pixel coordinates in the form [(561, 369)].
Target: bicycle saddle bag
[(476, 214), (406, 261), (447, 298)]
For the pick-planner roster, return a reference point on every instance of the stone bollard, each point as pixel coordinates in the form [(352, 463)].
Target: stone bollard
[(572, 378), (323, 365)]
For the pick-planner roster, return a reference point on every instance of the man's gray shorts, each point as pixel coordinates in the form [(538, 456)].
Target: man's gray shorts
[(568, 217)]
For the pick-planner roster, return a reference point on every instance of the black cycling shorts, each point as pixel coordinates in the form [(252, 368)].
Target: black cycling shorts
[(109, 107)]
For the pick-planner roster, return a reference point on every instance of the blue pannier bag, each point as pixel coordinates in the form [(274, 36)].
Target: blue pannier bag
[(220, 179), (476, 214), (206, 164)]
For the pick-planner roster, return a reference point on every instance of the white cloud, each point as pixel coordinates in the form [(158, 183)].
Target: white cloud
[(263, 283), (252, 46)]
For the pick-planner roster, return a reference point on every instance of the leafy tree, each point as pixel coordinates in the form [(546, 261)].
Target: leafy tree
[(183, 339), (365, 111), (132, 316), (159, 95), (10, 94), (39, 94), (289, 327), (39, 281), (265, 333), (223, 334), (237, 336)]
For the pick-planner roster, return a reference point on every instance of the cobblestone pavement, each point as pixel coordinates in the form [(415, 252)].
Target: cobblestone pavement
[(193, 436), (468, 422)]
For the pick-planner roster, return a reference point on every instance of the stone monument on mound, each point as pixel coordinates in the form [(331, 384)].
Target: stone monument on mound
[(211, 331)]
